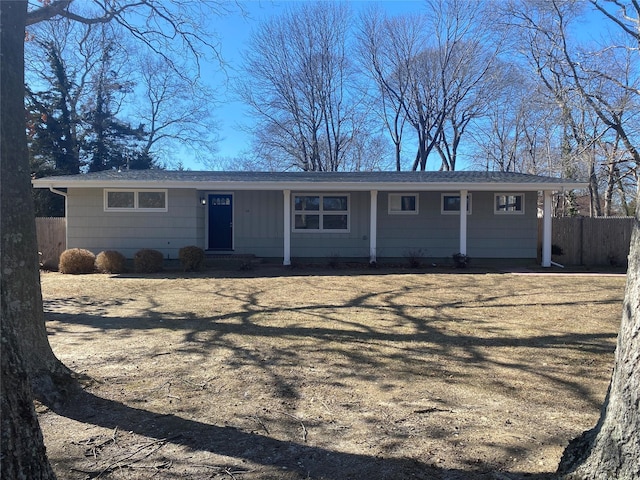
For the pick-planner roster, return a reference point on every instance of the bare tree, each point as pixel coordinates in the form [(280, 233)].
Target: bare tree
[(612, 448), (433, 71), (385, 45), (518, 131), (591, 105), (297, 82), (616, 172), (470, 71), (176, 112)]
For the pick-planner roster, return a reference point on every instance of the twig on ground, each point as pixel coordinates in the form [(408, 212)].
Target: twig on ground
[(158, 444), (257, 419), (92, 451), (304, 429), (168, 382), (201, 386), (231, 471), (228, 472)]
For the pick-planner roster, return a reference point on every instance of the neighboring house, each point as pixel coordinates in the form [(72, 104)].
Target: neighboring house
[(367, 215)]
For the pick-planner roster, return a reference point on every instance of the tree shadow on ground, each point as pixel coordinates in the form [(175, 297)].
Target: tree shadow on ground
[(293, 460), (417, 347), (423, 337)]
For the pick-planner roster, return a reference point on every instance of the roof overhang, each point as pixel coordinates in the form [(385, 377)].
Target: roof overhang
[(316, 185)]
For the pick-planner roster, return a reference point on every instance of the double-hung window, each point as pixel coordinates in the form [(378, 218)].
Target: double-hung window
[(314, 212), (122, 200), (509, 203)]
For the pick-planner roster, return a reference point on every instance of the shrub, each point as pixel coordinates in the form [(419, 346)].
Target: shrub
[(110, 261), (414, 258), (460, 260), (148, 260), (77, 260), (191, 258)]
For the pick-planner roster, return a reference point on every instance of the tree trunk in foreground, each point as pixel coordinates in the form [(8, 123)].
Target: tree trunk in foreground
[(21, 445), (22, 451), (611, 450), (22, 311)]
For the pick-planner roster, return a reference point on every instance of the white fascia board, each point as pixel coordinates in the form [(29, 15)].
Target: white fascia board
[(312, 186)]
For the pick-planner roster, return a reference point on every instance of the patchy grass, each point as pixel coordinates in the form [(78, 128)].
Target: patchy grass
[(327, 375)]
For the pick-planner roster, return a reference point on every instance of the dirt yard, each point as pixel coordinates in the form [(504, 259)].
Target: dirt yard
[(327, 374)]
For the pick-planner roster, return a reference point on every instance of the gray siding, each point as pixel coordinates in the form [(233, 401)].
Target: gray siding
[(432, 234), (90, 227), (503, 236), (258, 226), (258, 223)]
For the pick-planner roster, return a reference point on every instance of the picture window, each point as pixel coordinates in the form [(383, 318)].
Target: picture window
[(321, 213)]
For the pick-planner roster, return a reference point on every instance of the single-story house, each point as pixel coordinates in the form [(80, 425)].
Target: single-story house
[(369, 215)]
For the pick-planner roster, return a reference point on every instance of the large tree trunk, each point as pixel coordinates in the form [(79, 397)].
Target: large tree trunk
[(22, 310), (611, 450), (22, 449)]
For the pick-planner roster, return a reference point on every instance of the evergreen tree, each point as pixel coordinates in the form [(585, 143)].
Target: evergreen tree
[(110, 139), (52, 121)]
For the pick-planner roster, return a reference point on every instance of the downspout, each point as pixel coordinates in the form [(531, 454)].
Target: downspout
[(61, 193), (64, 194)]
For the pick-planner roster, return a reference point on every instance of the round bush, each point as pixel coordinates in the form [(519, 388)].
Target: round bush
[(77, 260), (110, 261), (191, 258), (148, 260)]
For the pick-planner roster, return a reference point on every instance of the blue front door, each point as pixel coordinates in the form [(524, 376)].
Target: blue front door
[(220, 221)]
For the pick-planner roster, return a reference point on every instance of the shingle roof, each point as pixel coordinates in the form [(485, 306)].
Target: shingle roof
[(366, 180)]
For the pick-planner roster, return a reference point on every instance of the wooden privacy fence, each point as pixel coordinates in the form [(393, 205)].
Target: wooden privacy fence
[(590, 241), (52, 240)]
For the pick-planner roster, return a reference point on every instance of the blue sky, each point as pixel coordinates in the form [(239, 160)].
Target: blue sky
[(233, 32)]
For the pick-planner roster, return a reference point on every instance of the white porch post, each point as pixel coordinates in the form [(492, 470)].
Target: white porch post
[(463, 222), (373, 227), (546, 229), (287, 228)]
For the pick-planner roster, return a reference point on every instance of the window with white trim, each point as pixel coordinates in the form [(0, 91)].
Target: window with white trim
[(450, 204), (122, 200), (403, 204), (509, 203), (314, 212)]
